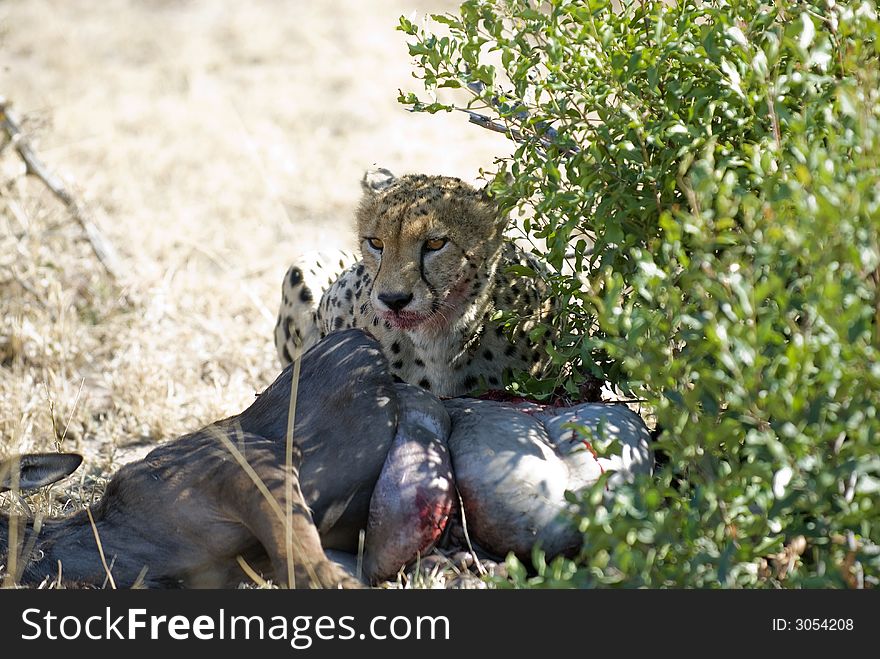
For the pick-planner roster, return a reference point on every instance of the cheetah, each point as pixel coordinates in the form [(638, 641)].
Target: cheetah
[(435, 269)]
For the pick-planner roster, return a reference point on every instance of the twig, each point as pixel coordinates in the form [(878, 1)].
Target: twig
[(288, 458), (72, 412), (29, 547), (109, 571), (360, 562), (139, 581), (13, 540), (101, 549), (547, 135), (485, 122), (467, 538), (101, 247), (251, 572), (17, 212)]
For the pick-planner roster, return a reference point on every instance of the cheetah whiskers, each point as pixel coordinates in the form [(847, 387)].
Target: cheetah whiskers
[(438, 319)]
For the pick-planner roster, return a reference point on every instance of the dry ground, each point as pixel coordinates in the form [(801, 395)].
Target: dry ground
[(212, 141)]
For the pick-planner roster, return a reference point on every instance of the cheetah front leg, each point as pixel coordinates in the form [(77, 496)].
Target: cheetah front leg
[(298, 322), (297, 326)]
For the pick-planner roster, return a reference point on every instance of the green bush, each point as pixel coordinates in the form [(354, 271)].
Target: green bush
[(723, 161)]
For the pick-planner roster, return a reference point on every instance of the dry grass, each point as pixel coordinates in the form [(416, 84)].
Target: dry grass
[(212, 142)]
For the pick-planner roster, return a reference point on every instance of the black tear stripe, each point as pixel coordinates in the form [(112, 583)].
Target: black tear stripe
[(372, 282), (435, 299)]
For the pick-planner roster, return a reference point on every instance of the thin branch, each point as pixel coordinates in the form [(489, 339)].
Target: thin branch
[(139, 581), (546, 134), (72, 412), (288, 458), (101, 549), (645, 22), (12, 546), (29, 547), (486, 122), (34, 166), (251, 572), (467, 538)]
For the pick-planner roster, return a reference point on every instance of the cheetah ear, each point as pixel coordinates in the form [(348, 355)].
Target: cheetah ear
[(504, 176), (501, 220), (484, 191), (376, 180)]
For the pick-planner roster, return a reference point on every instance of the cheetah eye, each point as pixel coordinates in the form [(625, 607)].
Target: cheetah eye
[(375, 243), (435, 244)]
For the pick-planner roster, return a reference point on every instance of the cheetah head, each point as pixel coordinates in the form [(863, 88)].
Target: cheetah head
[(431, 245)]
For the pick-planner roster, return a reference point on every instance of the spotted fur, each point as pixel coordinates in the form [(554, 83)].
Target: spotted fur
[(431, 308)]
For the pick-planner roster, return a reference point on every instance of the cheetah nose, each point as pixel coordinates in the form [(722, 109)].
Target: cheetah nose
[(395, 301)]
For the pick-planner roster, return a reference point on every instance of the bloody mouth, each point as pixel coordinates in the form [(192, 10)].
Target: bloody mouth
[(403, 320)]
